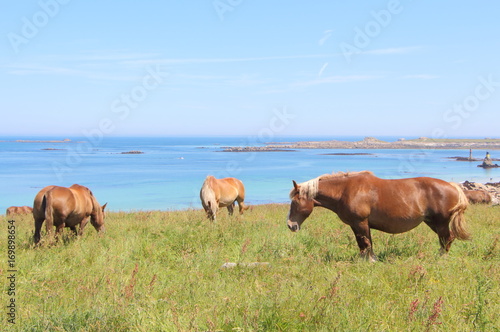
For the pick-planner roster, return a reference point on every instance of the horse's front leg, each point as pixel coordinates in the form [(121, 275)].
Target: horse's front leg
[(73, 228), (83, 223), (364, 239)]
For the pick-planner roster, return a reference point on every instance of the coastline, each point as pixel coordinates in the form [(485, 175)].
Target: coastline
[(374, 143)]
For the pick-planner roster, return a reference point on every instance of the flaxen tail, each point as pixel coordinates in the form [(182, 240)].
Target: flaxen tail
[(208, 199), (49, 211), (457, 219)]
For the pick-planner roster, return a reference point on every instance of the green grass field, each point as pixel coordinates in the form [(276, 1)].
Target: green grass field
[(161, 271)]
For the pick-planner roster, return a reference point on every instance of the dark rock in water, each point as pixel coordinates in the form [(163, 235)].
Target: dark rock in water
[(133, 152), (464, 159), (346, 154), (255, 149), (483, 165)]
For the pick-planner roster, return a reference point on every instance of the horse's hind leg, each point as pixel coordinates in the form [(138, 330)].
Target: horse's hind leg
[(230, 208), (242, 207), (38, 228), (441, 228), (363, 237), (59, 230), (49, 228)]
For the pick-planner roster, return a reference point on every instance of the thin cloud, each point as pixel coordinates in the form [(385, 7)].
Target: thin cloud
[(174, 61), (394, 50), (180, 61), (34, 69), (337, 79), (115, 56), (422, 77)]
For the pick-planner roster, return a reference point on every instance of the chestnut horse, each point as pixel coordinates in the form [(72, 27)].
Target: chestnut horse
[(364, 201), (217, 193), (18, 210), (66, 207), (478, 196)]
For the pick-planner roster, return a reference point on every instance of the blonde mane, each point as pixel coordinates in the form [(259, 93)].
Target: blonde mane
[(309, 189)]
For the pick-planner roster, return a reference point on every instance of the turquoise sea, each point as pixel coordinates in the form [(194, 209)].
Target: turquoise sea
[(170, 172)]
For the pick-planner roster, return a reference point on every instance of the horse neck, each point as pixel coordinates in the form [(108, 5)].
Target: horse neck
[(330, 191)]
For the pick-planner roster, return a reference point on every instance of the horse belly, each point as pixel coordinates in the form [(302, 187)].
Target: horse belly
[(395, 225), (225, 202), (228, 195), (75, 218), (64, 212)]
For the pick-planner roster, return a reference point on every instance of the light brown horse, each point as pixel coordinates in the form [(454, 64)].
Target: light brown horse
[(364, 201), (18, 210), (478, 196), (217, 193), (66, 207)]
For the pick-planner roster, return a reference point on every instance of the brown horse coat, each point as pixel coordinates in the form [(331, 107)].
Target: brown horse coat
[(18, 210), (66, 207), (217, 193), (478, 196), (364, 201)]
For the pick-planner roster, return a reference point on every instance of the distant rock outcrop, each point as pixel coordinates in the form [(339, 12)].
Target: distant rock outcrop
[(374, 143), (133, 152)]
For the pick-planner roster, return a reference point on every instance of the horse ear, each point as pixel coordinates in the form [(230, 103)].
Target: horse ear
[(295, 185), (316, 203), (103, 207)]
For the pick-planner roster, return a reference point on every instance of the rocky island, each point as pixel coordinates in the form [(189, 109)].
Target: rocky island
[(374, 143)]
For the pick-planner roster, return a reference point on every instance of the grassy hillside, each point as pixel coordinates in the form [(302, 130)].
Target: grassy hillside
[(161, 271)]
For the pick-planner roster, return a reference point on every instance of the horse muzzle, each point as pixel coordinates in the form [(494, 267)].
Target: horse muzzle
[(293, 226)]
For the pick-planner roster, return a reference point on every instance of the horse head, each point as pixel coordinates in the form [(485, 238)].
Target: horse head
[(301, 207), (97, 216)]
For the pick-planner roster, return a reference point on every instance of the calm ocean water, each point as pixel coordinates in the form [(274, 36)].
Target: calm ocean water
[(169, 174)]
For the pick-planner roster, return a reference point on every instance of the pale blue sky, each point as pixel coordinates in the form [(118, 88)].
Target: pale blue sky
[(240, 67)]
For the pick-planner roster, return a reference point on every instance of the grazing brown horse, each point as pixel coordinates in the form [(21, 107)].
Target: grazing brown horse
[(216, 193), (478, 196), (364, 201), (18, 210), (66, 207)]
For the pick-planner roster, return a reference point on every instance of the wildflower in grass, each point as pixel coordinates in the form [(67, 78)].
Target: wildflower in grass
[(413, 308), (435, 313)]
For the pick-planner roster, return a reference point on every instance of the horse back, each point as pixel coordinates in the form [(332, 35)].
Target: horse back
[(419, 196), (84, 202), (411, 198), (232, 187), (68, 205), (18, 210)]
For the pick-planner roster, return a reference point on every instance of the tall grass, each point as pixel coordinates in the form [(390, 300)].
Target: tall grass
[(161, 271)]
